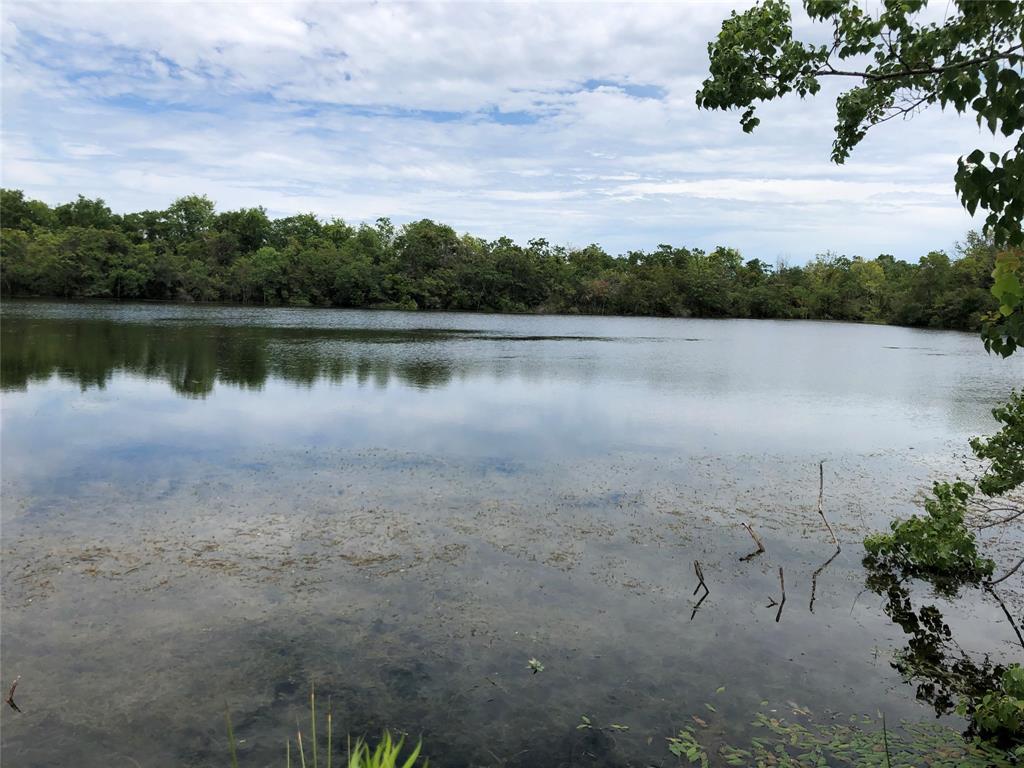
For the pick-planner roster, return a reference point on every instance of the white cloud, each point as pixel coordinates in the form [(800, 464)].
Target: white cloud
[(526, 120)]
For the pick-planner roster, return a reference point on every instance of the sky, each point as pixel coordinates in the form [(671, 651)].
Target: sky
[(570, 121)]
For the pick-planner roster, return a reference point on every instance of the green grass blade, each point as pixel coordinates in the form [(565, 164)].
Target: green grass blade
[(412, 758), (231, 737), (312, 717), (329, 745)]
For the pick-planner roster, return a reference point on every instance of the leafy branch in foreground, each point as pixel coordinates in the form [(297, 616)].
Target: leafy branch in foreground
[(941, 546), (942, 549), (938, 546), (973, 61), (1003, 331), (1003, 452)]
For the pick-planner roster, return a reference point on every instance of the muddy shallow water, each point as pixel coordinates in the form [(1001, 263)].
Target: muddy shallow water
[(207, 505)]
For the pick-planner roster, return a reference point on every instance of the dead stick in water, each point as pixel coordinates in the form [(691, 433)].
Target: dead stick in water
[(757, 540), (821, 501), (700, 583), (700, 576), (782, 584), (10, 695), (814, 576)]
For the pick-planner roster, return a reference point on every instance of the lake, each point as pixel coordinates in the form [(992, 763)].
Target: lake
[(207, 506)]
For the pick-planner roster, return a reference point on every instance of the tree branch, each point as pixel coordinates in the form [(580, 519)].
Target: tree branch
[(1006, 575), (1009, 616), (911, 71), (903, 111)]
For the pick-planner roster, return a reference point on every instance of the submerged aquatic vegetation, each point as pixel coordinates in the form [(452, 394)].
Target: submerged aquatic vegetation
[(685, 745), (812, 745)]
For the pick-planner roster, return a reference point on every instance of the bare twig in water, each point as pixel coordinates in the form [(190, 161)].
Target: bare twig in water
[(1006, 575), (821, 501), (700, 583), (694, 611), (814, 577), (782, 586), (885, 740), (496, 684), (503, 761), (10, 695), (1016, 630), (700, 577), (757, 540)]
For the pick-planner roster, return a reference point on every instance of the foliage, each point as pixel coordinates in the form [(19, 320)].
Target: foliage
[(942, 549), (191, 252), (939, 545), (1003, 331), (999, 714), (1003, 451)]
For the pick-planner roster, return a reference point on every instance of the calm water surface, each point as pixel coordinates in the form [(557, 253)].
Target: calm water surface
[(204, 505)]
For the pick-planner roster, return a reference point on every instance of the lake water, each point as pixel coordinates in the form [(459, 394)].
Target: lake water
[(205, 506)]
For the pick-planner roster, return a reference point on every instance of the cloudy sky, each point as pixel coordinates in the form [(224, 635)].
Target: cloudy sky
[(569, 121)]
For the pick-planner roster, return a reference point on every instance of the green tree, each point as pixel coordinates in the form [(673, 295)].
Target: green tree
[(17, 212), (85, 213), (250, 227), (188, 217)]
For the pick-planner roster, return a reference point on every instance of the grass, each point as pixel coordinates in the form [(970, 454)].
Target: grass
[(386, 754)]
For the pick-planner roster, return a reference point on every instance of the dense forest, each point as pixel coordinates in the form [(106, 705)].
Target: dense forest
[(189, 252)]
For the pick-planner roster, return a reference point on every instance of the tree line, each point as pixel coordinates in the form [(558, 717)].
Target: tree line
[(190, 252)]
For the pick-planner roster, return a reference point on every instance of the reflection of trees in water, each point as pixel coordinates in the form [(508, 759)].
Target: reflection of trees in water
[(193, 358), (942, 671)]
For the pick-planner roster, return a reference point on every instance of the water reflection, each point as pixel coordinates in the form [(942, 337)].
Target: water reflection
[(194, 358), (408, 507), (932, 660)]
